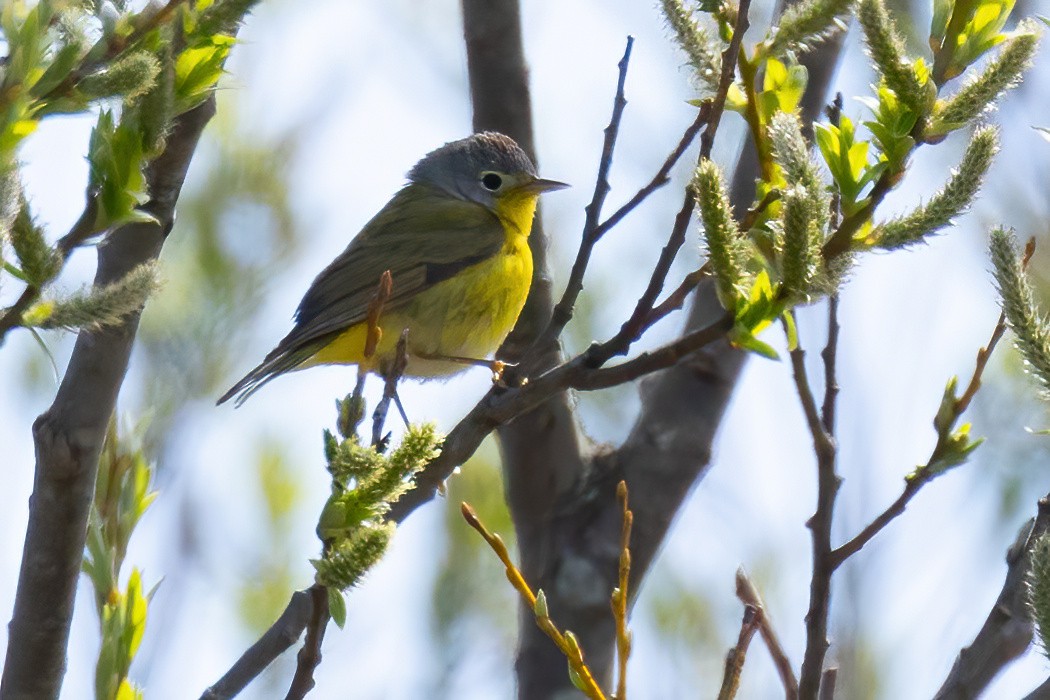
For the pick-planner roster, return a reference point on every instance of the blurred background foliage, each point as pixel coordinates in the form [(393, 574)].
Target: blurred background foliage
[(231, 532)]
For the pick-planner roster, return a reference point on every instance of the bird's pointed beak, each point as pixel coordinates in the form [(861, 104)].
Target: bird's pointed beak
[(539, 185)]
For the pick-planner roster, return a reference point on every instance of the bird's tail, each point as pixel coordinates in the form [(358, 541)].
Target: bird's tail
[(276, 363)]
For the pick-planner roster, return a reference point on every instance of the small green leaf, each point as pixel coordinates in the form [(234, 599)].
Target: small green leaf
[(540, 608), (198, 69), (337, 607), (790, 330), (743, 339)]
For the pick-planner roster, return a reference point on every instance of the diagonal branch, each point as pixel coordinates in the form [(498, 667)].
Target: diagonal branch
[(1008, 630)]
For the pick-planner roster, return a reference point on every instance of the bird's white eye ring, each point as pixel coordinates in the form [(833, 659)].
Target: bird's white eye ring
[(491, 181)]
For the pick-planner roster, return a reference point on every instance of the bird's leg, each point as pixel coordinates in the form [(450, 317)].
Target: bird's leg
[(497, 367), (391, 373)]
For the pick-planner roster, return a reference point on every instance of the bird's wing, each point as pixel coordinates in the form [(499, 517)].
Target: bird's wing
[(421, 236)]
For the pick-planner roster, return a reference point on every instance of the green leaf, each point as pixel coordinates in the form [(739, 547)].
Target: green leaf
[(942, 12), (337, 607), (790, 329), (198, 69), (742, 338), (116, 180)]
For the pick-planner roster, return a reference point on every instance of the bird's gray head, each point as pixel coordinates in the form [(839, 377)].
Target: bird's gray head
[(480, 168)]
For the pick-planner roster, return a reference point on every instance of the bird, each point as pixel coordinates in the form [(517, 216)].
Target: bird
[(454, 240)]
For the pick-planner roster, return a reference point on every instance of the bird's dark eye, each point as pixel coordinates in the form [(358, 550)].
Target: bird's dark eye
[(491, 181)]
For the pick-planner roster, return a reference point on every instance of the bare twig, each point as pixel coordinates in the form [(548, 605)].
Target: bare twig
[(738, 653), (662, 176), (829, 356), (310, 655), (711, 115), (748, 594), (827, 683), (923, 476), (563, 310), (1008, 630), (536, 602), (285, 632), (820, 524)]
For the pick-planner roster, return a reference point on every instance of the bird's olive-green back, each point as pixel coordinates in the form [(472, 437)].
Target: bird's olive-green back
[(423, 236)]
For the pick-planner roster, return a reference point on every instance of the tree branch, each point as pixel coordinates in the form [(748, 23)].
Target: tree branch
[(310, 655), (913, 484), (69, 437), (820, 524), (748, 594), (1008, 629), (285, 632), (738, 653)]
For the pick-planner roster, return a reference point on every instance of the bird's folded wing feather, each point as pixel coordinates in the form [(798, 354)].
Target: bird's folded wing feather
[(422, 237)]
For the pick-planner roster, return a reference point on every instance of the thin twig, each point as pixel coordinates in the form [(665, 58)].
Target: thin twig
[(310, 655), (281, 635), (829, 355), (621, 595), (820, 524), (748, 594), (563, 310), (662, 176), (710, 114), (922, 476), (117, 45), (1008, 630), (827, 683), (501, 405), (536, 602), (738, 654), (749, 219)]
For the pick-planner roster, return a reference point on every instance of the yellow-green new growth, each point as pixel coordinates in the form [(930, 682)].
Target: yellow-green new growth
[(129, 77), (726, 249), (980, 93), (806, 205), (808, 23), (364, 485), (97, 307), (38, 261), (955, 197), (351, 557), (1028, 324), (703, 52), (887, 52)]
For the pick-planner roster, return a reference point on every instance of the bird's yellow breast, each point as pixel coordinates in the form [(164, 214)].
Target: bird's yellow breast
[(468, 315)]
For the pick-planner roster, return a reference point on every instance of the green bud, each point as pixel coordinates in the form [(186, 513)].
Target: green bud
[(1018, 299), (1039, 589), (98, 307), (38, 260), (704, 54), (129, 77), (980, 93), (726, 248), (887, 52), (807, 23), (952, 199), (540, 608)]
